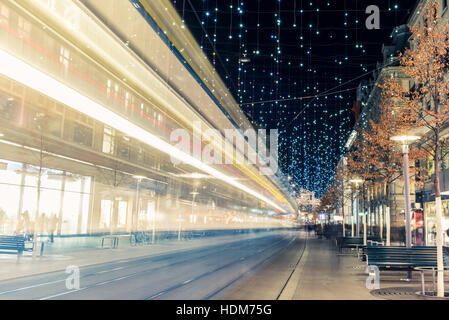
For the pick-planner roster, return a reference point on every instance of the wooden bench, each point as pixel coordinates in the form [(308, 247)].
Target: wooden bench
[(401, 258), (12, 243), (369, 243), (114, 238), (349, 242)]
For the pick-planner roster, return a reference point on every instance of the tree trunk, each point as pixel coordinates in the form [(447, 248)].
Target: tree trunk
[(438, 218), (352, 215), (387, 213), (343, 211), (381, 222), (364, 213)]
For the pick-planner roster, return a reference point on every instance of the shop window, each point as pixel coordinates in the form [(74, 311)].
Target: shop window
[(105, 214), (82, 135), (51, 4), (4, 14), (123, 148), (64, 58), (83, 119), (54, 123), (140, 154), (108, 89), (126, 100), (8, 108), (24, 27), (108, 140), (122, 214)]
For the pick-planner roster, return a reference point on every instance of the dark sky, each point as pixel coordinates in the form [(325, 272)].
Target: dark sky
[(305, 59)]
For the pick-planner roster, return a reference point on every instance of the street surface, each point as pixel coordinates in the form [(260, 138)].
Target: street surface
[(200, 273)]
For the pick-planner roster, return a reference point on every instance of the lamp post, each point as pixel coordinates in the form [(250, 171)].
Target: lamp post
[(405, 142), (136, 215), (357, 181), (194, 194), (40, 119)]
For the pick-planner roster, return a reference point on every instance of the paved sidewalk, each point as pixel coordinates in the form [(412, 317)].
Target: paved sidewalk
[(326, 274), (323, 274), (58, 257), (320, 274)]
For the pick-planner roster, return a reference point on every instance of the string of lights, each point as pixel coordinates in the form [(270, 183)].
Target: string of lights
[(289, 64)]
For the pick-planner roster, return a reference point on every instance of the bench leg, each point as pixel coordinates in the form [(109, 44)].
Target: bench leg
[(423, 286), (433, 280)]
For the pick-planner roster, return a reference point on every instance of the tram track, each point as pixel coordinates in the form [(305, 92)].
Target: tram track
[(236, 261), (195, 267)]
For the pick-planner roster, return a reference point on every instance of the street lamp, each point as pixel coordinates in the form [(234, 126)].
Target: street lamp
[(405, 142), (356, 181)]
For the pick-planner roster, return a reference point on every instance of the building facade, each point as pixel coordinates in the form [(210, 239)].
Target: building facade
[(92, 97)]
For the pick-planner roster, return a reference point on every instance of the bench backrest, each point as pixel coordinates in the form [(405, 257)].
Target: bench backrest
[(12, 242), (417, 256), (352, 240)]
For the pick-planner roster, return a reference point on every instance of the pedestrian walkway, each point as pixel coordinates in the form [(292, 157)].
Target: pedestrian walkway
[(309, 269), (326, 274), (323, 274), (313, 269)]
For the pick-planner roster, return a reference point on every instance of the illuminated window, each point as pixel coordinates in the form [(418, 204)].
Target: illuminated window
[(106, 214), (64, 57), (108, 90), (123, 147), (108, 140), (82, 135), (122, 213), (24, 27), (9, 107), (140, 154), (4, 14)]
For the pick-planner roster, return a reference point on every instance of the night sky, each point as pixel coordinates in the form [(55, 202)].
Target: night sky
[(304, 59)]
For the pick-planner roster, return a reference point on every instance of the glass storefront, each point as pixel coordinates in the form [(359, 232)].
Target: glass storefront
[(430, 222), (63, 197)]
